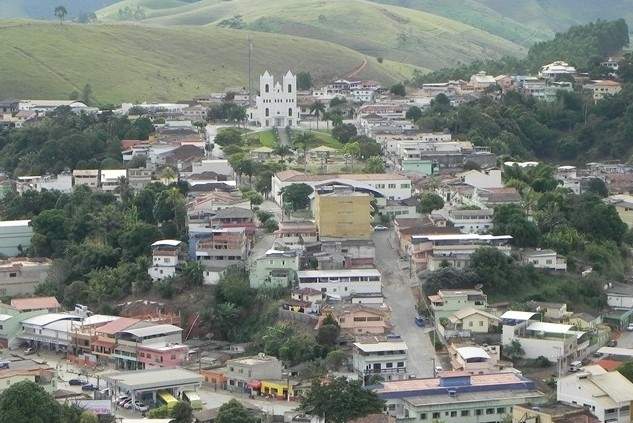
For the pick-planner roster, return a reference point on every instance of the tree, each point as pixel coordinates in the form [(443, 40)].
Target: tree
[(317, 109), (351, 151), (60, 13), (88, 417), (335, 359), (327, 334), (86, 94), (514, 351), (430, 201), (193, 273), (182, 412), (304, 81), (234, 412), (302, 142), (254, 197), (340, 400), (398, 89), (297, 195), (510, 219), (374, 165), (598, 187), (448, 278), (344, 132), (414, 113), (28, 402)]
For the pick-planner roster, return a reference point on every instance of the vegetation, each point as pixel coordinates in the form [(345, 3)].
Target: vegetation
[(297, 195), (340, 400), (28, 402), (430, 201), (234, 412)]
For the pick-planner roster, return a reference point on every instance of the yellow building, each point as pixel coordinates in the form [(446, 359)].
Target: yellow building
[(343, 213), (277, 388)]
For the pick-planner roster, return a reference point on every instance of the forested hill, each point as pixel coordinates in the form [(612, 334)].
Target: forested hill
[(579, 46)]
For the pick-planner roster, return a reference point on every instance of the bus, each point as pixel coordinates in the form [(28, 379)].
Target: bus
[(193, 399), (166, 398)]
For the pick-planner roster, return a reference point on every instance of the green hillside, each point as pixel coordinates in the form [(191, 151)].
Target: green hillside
[(136, 63), (396, 33)]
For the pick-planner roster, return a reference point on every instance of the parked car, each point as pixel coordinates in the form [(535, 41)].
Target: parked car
[(128, 404), (122, 400), (29, 351), (612, 343), (140, 406), (89, 387), (420, 321), (630, 327), (380, 228), (76, 382)]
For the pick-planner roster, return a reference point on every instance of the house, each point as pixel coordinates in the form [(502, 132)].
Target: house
[(492, 197), (550, 311), (161, 354), (468, 221), (544, 259), (607, 394), (87, 177), (111, 179), (600, 89), (386, 358), (552, 413), (26, 305), (22, 276), (480, 81), (20, 370), (430, 252), (342, 214), (358, 319), (620, 296), (217, 248), (345, 254), (131, 341), (342, 282), (167, 258), (490, 178), (206, 205), (406, 228), (382, 186), (181, 157), (218, 166), (473, 320), (559, 343), (234, 218), (623, 204), (556, 69), (449, 301), (62, 182), (139, 178), (474, 359), (276, 268), (293, 234), (585, 321), (458, 397), (261, 154), (276, 104), (308, 295), (15, 237), (242, 373)]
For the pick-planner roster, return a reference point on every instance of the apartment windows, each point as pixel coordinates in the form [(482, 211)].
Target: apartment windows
[(465, 413), (453, 413), (479, 412), (436, 415), (422, 416), (490, 410), (501, 410)]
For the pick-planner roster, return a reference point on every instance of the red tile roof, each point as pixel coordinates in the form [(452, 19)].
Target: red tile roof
[(117, 325), (35, 303)]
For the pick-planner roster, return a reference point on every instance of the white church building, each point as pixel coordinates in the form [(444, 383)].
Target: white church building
[(276, 104)]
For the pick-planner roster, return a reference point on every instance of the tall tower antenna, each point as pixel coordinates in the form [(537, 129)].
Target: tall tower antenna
[(250, 68)]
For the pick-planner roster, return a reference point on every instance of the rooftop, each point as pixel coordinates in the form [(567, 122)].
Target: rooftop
[(548, 327), (339, 272), (472, 352), (234, 213), (296, 176), (12, 223), (154, 378), (167, 242), (462, 237), (381, 346), (118, 325), (35, 303), (153, 330), (47, 319), (518, 315)]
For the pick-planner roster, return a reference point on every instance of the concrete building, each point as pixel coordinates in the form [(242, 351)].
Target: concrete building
[(156, 355), (449, 301), (358, 319), (111, 179), (50, 331), (472, 221), (552, 413), (240, 371), (556, 69), (607, 394), (296, 235), (168, 256), (600, 89), (342, 214), (26, 305), (15, 237), (87, 177), (205, 206), (458, 397), (472, 320), (341, 283), (544, 259), (620, 296), (144, 385), (377, 357), (474, 359), (276, 104), (480, 81), (139, 178), (62, 182), (345, 254), (275, 269), (218, 248), (130, 342), (490, 178), (21, 276)]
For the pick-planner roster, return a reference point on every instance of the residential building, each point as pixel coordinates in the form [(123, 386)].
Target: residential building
[(492, 197), (600, 89), (472, 320), (276, 268), (341, 283), (620, 296), (358, 319), (585, 321), (556, 69), (111, 179), (131, 341), (386, 358), (21, 276), (490, 178), (218, 166), (449, 301), (559, 343), (242, 371), (468, 221), (139, 178), (568, 175), (382, 186), (15, 237), (167, 258), (62, 182), (623, 204), (276, 104), (607, 394), (20, 370), (235, 218), (345, 254), (342, 214), (475, 359), (550, 311), (87, 177), (430, 252), (218, 248), (50, 331), (544, 259), (27, 305), (296, 235), (552, 413), (11, 324), (163, 354), (480, 81), (458, 397)]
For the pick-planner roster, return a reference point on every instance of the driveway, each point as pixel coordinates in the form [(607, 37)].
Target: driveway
[(398, 292)]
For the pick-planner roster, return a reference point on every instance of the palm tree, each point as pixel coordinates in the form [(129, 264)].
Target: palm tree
[(61, 12), (303, 141), (351, 150), (317, 108), (337, 119)]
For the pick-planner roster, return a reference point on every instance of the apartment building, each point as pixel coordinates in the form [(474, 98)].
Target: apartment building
[(296, 235), (217, 248), (21, 276), (358, 319), (447, 302), (168, 255), (139, 178), (472, 221), (15, 237), (275, 268), (385, 358), (240, 372), (87, 177), (341, 283)]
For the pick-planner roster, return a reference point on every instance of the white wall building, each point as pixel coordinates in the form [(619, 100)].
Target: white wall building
[(166, 259), (482, 178), (472, 221), (555, 69), (341, 282), (607, 394), (276, 104), (544, 259), (111, 179), (387, 359)]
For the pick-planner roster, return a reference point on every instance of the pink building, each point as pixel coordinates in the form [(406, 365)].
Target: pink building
[(162, 355)]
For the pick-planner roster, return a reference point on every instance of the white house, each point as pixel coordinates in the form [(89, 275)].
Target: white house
[(620, 296), (88, 177), (544, 259), (556, 69), (482, 178), (472, 221), (384, 358), (607, 394), (166, 259), (111, 178), (341, 282), (276, 104)]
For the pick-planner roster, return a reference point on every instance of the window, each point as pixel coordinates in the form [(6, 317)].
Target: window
[(501, 410), (422, 416), (478, 412), (400, 364), (481, 323), (389, 365), (490, 410), (290, 89), (453, 413), (267, 88), (470, 324), (392, 186), (267, 112), (290, 111), (436, 415), (465, 413)]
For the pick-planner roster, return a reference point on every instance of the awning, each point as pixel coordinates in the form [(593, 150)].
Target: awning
[(254, 384)]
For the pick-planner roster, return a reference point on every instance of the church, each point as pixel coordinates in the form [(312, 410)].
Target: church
[(276, 104)]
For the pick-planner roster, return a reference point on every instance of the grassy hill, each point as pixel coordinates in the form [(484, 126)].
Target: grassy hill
[(136, 63), (43, 9), (396, 33)]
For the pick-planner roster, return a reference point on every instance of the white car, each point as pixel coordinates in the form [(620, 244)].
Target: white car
[(630, 327), (140, 406), (380, 228), (438, 369), (122, 400), (128, 404)]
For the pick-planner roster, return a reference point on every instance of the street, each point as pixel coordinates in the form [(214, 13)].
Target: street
[(399, 297)]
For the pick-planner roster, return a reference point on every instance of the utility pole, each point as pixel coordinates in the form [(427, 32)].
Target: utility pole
[(250, 68)]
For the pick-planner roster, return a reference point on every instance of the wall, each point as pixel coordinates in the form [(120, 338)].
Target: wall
[(343, 216), (13, 236), (344, 289)]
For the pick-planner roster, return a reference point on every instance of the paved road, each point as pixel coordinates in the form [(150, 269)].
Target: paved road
[(399, 297)]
